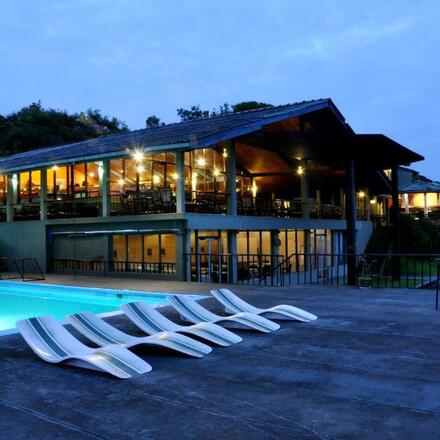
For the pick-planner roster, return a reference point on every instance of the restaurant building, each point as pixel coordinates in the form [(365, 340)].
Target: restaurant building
[(216, 199)]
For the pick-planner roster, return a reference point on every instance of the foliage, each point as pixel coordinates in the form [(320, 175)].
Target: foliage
[(195, 112), (153, 121), (34, 126), (418, 235)]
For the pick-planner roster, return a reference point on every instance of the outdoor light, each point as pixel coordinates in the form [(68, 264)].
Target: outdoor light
[(140, 169), (138, 155), (156, 179), (225, 152), (373, 201), (254, 189), (361, 194), (55, 168), (201, 162), (175, 176), (216, 172), (300, 171)]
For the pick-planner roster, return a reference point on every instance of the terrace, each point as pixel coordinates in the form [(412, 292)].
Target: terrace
[(367, 368)]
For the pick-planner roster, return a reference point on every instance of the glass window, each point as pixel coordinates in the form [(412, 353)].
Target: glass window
[(24, 185), (151, 248), (62, 180), (79, 177), (119, 248), (134, 251), (93, 170), (168, 248), (117, 182)]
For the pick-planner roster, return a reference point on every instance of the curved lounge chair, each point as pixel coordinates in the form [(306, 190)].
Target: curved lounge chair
[(53, 343), (149, 320), (234, 304), (192, 311), (102, 333)]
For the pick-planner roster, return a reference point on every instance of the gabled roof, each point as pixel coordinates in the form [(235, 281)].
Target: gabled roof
[(192, 134), (420, 186)]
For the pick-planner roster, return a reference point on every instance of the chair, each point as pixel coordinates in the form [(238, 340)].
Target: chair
[(53, 343), (149, 320), (234, 304), (192, 311), (102, 333)]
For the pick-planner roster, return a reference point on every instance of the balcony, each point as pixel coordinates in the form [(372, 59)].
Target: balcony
[(80, 205)]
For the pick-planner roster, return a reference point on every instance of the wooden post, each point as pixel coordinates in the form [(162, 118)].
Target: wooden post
[(350, 216)]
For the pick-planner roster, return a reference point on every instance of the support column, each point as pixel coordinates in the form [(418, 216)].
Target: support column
[(275, 244), (43, 194), (350, 217), (395, 219), (180, 182), (183, 262), (231, 175), (232, 251), (304, 182), (11, 197), (406, 203), (425, 205), (104, 187)]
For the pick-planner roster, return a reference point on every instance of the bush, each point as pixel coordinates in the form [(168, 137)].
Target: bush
[(418, 235)]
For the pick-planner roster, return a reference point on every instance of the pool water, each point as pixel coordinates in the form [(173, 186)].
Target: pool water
[(20, 300)]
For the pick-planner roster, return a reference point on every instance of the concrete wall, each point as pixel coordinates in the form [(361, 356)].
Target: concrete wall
[(24, 239)]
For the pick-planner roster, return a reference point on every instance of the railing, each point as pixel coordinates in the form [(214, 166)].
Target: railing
[(372, 270), (146, 202), (2, 213), (71, 207), (25, 269), (104, 267), (206, 202), (27, 211)]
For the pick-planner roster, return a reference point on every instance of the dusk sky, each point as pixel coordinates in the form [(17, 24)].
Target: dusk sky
[(379, 61)]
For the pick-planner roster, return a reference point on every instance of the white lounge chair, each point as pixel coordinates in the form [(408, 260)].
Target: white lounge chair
[(53, 343), (192, 311), (102, 333), (234, 304), (151, 321)]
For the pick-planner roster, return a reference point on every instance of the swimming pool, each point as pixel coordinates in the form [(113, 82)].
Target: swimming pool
[(20, 300)]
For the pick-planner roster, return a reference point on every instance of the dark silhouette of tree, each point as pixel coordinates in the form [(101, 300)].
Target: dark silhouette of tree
[(195, 112), (34, 126), (153, 121)]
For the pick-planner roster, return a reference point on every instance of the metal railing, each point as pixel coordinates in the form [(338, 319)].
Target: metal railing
[(25, 269), (71, 207), (410, 271), (104, 267), (26, 211)]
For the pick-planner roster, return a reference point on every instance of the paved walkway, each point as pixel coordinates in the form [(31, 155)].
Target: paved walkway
[(369, 368)]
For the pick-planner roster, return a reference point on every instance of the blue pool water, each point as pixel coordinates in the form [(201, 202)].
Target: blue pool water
[(20, 300)]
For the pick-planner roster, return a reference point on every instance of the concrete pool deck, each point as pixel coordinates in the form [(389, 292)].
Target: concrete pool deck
[(368, 368)]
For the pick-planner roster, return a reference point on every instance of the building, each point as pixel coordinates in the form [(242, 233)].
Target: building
[(216, 199), (420, 196)]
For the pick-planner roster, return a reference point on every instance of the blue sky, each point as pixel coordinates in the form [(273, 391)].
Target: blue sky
[(379, 61)]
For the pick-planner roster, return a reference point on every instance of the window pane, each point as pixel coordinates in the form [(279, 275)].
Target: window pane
[(151, 248), (24, 185), (62, 180), (119, 248), (135, 248), (93, 178), (168, 248), (116, 176), (79, 177)]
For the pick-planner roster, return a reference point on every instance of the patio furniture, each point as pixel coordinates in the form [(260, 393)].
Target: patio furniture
[(102, 333), (149, 320), (53, 343), (192, 311), (234, 304)]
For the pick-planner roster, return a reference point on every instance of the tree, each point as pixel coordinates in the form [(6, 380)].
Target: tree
[(153, 121), (34, 126), (195, 112), (249, 105)]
